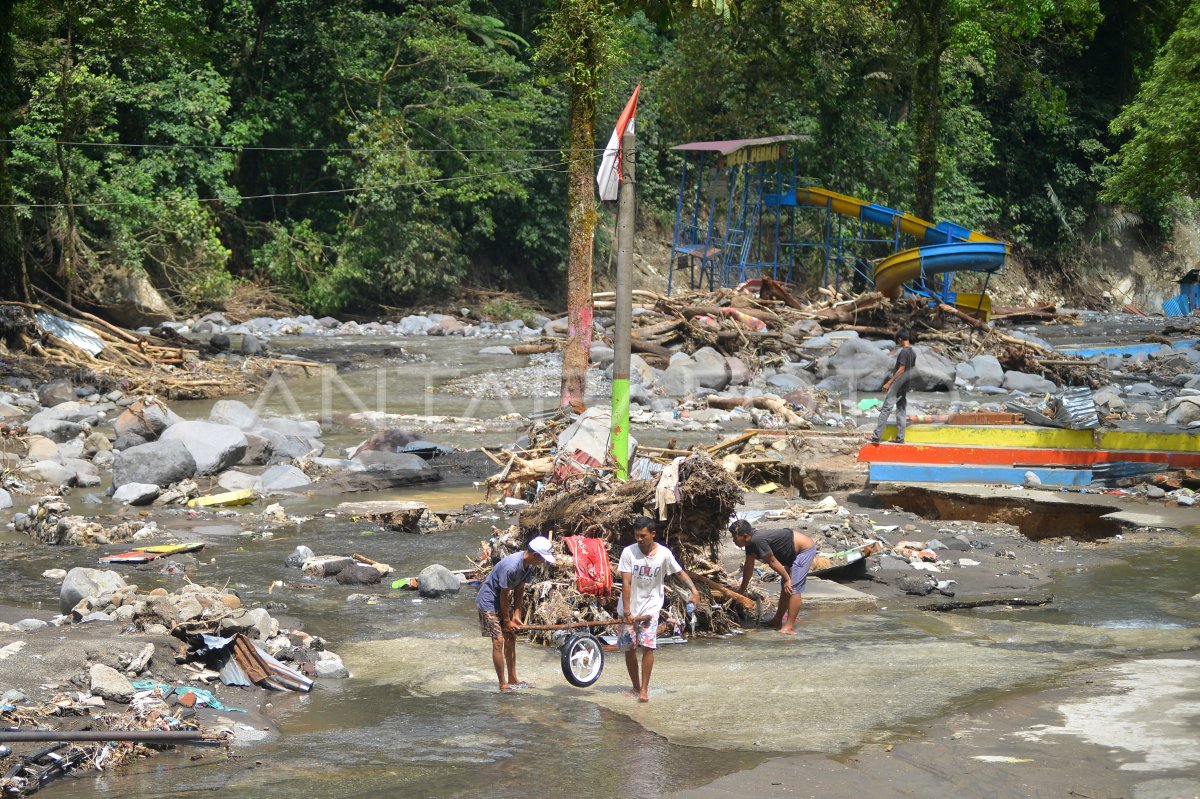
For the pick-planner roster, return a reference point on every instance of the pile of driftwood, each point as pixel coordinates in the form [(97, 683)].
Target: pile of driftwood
[(148, 723), (53, 340), (692, 528)]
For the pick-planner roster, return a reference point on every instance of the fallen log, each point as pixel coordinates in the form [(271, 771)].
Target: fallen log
[(772, 290), (532, 349), (987, 603), (765, 403), (970, 320), (728, 593)]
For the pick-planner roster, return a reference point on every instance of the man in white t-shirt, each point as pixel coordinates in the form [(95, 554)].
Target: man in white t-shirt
[(644, 568)]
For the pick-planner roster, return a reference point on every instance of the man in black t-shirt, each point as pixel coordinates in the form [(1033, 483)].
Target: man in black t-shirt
[(897, 389), (789, 553)]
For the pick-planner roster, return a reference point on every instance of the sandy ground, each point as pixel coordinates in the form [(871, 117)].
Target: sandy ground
[(1131, 730)]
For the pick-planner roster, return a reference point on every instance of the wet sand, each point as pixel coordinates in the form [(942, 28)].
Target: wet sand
[(1129, 730)]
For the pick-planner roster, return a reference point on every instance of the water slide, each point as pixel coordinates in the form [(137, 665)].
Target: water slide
[(946, 247)]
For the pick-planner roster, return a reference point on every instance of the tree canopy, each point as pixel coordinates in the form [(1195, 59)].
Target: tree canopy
[(350, 154)]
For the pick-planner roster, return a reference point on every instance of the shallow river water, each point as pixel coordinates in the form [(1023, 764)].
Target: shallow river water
[(421, 716)]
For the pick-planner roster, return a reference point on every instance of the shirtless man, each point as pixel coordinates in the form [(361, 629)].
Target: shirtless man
[(789, 553)]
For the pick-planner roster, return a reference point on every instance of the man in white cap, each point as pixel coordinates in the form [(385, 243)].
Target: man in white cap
[(499, 604)]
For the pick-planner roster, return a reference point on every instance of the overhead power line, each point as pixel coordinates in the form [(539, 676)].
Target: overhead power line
[(241, 148), (555, 167)]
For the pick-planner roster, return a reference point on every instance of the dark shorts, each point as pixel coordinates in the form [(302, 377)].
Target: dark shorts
[(489, 624), (800, 567)]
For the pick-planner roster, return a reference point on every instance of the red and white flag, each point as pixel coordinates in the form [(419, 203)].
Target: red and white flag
[(609, 176)]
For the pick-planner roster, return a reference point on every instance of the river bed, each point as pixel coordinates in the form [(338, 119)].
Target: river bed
[(421, 715)]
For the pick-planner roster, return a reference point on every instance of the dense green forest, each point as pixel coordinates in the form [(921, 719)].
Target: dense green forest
[(350, 153)]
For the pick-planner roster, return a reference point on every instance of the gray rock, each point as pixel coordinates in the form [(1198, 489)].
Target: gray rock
[(108, 683), (739, 373), (786, 383), (1183, 411), (145, 419), (260, 625), (599, 355), (214, 447), (1155, 492), (292, 427), (13, 696), (97, 616), (499, 350), (1031, 480), (861, 364), (128, 441), (1142, 390), (283, 477), (325, 565), (294, 447), (375, 459), (642, 372), (29, 625), (711, 370), (251, 345), (51, 472), (1030, 384), (54, 429), (359, 574), (5, 499), (436, 580), (234, 413), (330, 666), (158, 462), (258, 451), (932, 372), (56, 393), (240, 481), (136, 494), (97, 442), (678, 380), (300, 554), (988, 371), (82, 582)]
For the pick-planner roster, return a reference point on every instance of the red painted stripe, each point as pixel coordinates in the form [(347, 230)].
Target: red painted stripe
[(1015, 456)]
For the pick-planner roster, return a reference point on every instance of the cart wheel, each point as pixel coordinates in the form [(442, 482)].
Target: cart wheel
[(582, 659)]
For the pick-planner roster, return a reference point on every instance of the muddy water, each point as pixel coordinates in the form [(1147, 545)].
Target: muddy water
[(421, 716)]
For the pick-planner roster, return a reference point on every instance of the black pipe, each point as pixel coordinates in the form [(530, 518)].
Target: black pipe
[(137, 736)]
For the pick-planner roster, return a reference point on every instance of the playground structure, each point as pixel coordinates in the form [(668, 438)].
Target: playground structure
[(744, 211)]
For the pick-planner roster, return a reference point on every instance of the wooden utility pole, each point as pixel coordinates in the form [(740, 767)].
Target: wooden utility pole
[(622, 326)]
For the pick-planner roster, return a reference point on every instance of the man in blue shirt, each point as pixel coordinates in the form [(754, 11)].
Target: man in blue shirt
[(499, 604)]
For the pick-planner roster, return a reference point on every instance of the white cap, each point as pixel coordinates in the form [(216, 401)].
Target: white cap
[(543, 547)]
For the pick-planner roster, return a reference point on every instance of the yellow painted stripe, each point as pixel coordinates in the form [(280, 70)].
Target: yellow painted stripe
[(1048, 437)]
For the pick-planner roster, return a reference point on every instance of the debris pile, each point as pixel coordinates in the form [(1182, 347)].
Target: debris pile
[(50, 521)]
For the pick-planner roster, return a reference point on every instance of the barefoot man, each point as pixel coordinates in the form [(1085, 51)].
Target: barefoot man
[(644, 567), (499, 604), (789, 553)]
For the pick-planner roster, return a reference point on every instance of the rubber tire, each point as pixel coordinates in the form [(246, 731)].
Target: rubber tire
[(577, 645)]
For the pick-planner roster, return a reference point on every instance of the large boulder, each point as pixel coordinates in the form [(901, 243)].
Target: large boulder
[(1030, 384), (861, 364), (644, 371), (359, 574), (56, 392), (136, 494), (374, 459), (58, 430), (294, 447), (237, 414), (1183, 411), (214, 447), (108, 683), (83, 582), (159, 462), (146, 417), (436, 580), (988, 371), (129, 299), (932, 372), (283, 477), (679, 379), (711, 370), (51, 472)]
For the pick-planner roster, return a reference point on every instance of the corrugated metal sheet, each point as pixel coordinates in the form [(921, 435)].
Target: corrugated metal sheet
[(71, 332), (1077, 409), (1177, 306)]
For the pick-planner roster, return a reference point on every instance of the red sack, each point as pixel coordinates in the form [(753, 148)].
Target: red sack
[(592, 572)]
